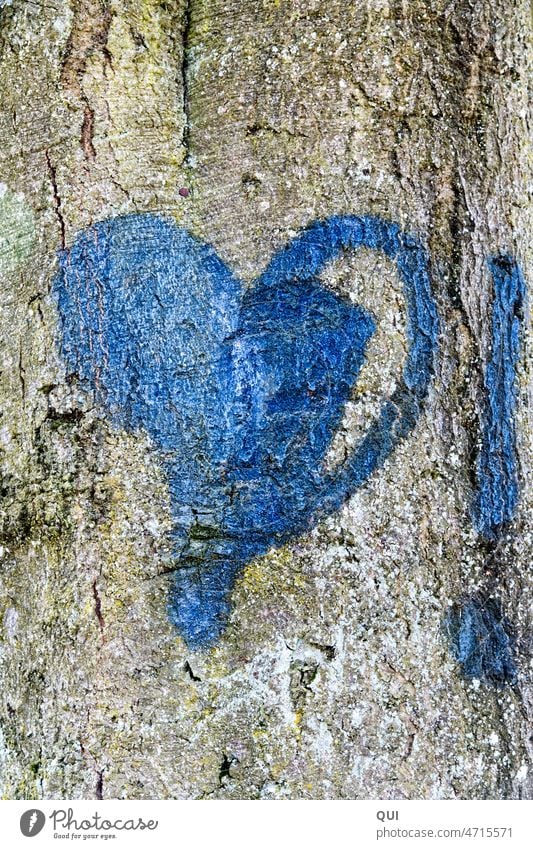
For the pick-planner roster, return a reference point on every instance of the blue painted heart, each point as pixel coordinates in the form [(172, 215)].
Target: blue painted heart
[(241, 390)]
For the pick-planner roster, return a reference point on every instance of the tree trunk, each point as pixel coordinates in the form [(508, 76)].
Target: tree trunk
[(340, 671)]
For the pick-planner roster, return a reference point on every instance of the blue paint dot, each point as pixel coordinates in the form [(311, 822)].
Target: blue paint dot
[(482, 641)]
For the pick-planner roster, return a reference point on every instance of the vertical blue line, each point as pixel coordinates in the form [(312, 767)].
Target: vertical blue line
[(481, 637), (497, 465)]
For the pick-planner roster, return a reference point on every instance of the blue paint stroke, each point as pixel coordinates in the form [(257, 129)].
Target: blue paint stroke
[(241, 391), (481, 638), (497, 466), (482, 641)]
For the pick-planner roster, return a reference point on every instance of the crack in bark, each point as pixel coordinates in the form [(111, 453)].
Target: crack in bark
[(224, 772), (89, 35), (57, 198), (189, 670), (22, 372), (185, 70), (98, 609), (87, 133), (99, 792)]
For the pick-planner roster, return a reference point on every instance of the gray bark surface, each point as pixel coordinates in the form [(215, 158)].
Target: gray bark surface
[(334, 678)]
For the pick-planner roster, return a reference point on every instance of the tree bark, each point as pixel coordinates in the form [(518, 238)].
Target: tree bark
[(244, 122)]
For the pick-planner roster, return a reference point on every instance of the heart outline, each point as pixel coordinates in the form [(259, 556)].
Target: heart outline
[(99, 322)]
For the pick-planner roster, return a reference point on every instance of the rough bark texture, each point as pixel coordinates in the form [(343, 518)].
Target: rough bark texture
[(334, 678)]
